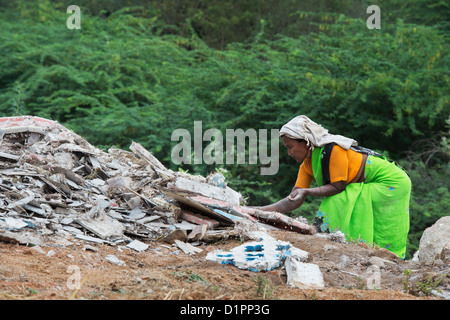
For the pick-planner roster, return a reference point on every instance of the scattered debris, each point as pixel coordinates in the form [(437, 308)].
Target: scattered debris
[(57, 186), (268, 253)]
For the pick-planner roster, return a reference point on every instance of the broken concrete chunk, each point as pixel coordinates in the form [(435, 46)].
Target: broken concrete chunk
[(20, 238), (102, 225), (134, 202), (113, 259), (72, 230), (64, 160), (94, 161), (184, 225), (303, 275), (89, 238), (148, 219), (74, 148), (146, 155), (137, 245), (38, 249), (198, 232), (119, 182), (187, 247), (136, 214), (13, 223), (207, 190), (298, 254), (40, 211)]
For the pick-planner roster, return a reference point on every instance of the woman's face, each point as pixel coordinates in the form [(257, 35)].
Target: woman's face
[(296, 149)]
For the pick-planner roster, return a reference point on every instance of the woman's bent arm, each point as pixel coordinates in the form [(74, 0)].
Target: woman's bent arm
[(298, 195)]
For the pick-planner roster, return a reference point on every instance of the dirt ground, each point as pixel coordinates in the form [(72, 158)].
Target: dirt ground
[(163, 272)]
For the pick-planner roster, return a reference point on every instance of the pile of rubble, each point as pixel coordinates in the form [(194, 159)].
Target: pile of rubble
[(56, 187)]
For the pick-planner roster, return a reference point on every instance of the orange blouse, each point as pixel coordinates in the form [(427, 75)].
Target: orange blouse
[(344, 166)]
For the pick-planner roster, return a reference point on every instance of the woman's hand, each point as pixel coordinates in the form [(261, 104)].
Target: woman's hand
[(297, 195), (291, 202)]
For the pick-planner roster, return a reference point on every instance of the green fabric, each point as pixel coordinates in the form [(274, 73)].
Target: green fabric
[(375, 211), (316, 161)]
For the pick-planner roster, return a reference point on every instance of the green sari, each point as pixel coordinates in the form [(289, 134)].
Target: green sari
[(375, 211)]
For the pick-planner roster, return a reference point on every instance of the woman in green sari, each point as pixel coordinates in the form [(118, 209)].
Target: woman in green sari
[(366, 196)]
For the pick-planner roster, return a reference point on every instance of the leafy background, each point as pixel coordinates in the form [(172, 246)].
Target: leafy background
[(138, 70)]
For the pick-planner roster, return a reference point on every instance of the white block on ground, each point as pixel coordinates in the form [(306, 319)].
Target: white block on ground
[(303, 275)]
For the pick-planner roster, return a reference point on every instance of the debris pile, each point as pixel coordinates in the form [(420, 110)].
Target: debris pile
[(57, 187)]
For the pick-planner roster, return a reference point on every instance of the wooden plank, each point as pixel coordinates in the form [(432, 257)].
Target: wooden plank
[(199, 207), (280, 220), (198, 219)]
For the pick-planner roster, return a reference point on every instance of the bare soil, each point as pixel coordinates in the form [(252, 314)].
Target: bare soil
[(163, 272)]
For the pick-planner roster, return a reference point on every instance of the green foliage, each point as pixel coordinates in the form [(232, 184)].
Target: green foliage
[(428, 168), (425, 286), (190, 277), (140, 72), (424, 12), (264, 289)]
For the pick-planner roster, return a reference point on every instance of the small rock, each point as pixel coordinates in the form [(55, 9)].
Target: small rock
[(445, 253), (51, 253), (137, 245), (386, 254), (113, 259), (37, 249), (438, 263), (344, 261), (177, 234), (434, 239), (90, 248), (379, 262)]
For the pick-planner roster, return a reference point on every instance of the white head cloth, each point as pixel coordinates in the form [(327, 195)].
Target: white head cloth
[(301, 127)]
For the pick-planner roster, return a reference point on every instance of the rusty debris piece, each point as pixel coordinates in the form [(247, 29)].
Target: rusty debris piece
[(280, 220), (57, 187)]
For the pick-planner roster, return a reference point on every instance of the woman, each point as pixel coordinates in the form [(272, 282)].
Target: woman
[(366, 196)]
